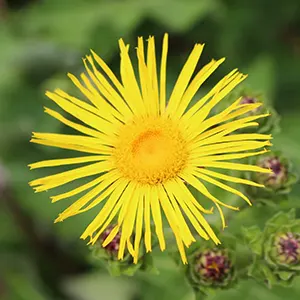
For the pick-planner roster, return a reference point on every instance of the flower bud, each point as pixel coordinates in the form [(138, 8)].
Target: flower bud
[(251, 100), (276, 249), (287, 248), (108, 256), (113, 247), (277, 183), (213, 267), (249, 96), (278, 177)]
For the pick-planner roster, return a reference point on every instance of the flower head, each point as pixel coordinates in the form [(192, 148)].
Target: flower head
[(143, 146)]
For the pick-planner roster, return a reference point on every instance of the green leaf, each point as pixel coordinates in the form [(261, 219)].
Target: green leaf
[(281, 218), (285, 275), (253, 236)]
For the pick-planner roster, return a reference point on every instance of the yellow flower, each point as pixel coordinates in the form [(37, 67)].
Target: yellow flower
[(146, 147)]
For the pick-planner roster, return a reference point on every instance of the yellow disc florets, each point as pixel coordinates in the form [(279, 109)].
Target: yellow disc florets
[(150, 150)]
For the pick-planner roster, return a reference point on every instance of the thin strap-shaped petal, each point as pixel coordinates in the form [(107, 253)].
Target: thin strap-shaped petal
[(126, 202), (203, 190), (132, 91), (194, 86), (140, 51), (110, 94), (184, 78), (128, 221), (85, 116), (86, 130), (213, 158), (246, 137), (223, 130), (138, 229), (111, 236), (72, 142), (222, 186), (110, 74), (81, 148), (59, 179), (235, 137), (183, 226), (106, 211), (236, 166), (227, 128), (185, 193), (163, 72), (192, 180), (77, 190), (102, 188), (202, 114), (195, 210), (227, 147), (172, 189), (171, 215), (92, 95), (173, 221), (103, 113), (228, 177), (152, 71), (222, 116), (147, 219), (66, 161), (109, 112), (200, 103), (112, 214), (71, 139), (156, 214), (119, 183), (145, 81)]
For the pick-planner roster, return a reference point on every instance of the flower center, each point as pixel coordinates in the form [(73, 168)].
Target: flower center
[(212, 266), (150, 150), (288, 247)]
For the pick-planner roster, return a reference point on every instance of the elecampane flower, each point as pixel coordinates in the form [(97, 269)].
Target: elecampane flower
[(145, 147)]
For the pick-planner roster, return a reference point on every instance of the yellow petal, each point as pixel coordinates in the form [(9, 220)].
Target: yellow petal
[(223, 186), (163, 70), (138, 229), (156, 214), (184, 78), (66, 161), (229, 178)]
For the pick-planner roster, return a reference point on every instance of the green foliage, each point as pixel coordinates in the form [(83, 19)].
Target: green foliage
[(43, 41), (276, 258)]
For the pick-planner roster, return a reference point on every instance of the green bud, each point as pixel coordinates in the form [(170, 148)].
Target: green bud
[(286, 249), (278, 260), (248, 96), (113, 247), (251, 100), (277, 183), (278, 177), (212, 267), (108, 256)]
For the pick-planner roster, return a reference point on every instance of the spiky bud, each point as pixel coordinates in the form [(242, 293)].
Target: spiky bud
[(276, 250)]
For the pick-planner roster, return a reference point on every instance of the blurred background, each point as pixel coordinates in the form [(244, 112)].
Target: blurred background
[(40, 41)]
